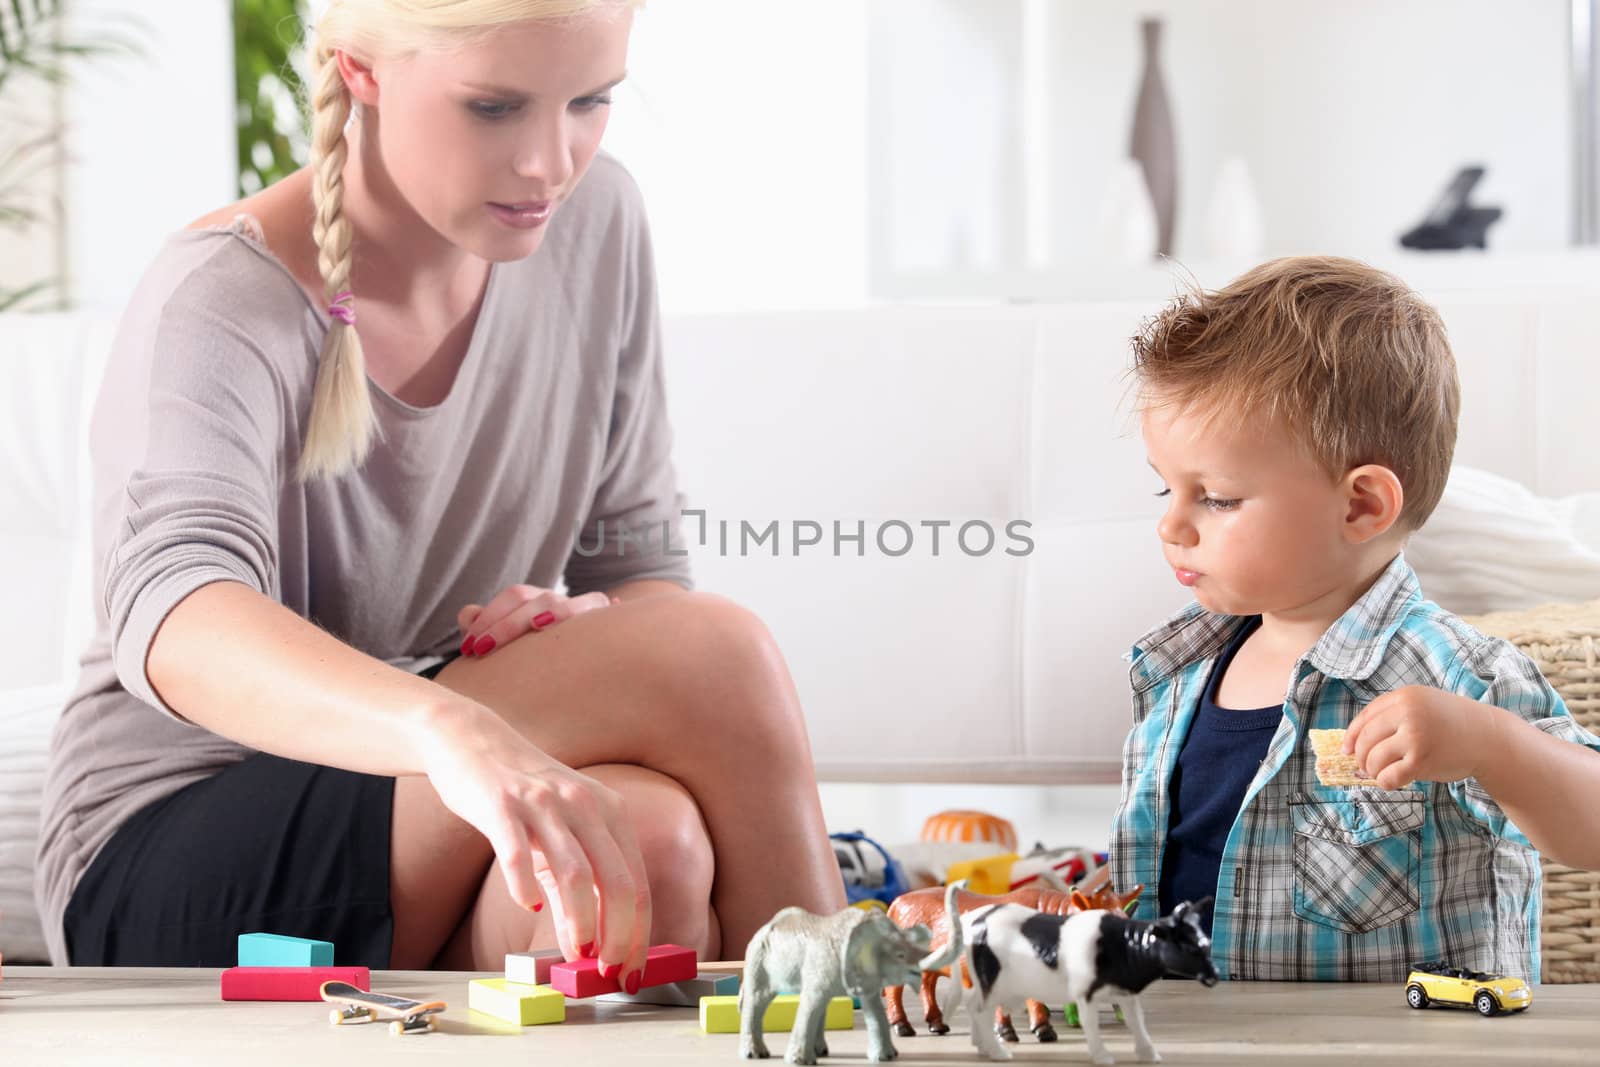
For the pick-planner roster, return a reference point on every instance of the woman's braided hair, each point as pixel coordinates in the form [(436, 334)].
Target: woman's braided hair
[(342, 427)]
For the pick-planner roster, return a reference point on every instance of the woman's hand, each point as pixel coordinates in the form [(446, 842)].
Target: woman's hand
[(550, 827), (518, 610)]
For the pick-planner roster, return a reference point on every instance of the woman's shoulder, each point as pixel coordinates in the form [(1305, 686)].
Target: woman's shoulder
[(611, 184), (601, 232), (217, 288), (607, 196), (214, 290), (266, 241)]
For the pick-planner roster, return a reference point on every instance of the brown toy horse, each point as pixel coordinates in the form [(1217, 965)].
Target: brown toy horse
[(927, 906)]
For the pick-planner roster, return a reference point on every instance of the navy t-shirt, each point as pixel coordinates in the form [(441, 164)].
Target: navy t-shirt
[(1216, 765)]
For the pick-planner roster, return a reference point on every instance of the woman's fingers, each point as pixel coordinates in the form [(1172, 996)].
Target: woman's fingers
[(639, 904), (536, 614), (514, 852), (558, 915), (499, 621), (577, 605), (568, 882), (594, 866), (533, 615), (560, 838), (619, 882)]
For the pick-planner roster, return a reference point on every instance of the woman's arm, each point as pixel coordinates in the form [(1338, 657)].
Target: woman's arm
[(244, 666), (239, 664)]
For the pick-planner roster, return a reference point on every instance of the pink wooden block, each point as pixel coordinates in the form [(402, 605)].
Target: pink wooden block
[(663, 964), (287, 983)]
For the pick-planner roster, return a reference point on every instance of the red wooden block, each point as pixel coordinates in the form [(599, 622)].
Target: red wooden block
[(287, 983), (663, 964)]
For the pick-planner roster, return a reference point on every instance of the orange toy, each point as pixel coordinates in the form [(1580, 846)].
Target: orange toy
[(971, 826)]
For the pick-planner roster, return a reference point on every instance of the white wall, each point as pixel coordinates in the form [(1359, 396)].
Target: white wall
[(751, 125), (743, 120), (745, 123), (1054, 815), (1350, 117), (151, 139), (1365, 114)]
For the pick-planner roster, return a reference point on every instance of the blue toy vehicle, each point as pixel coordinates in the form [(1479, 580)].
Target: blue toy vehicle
[(869, 872)]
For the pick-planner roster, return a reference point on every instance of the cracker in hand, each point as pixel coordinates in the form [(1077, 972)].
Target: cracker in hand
[(1334, 768)]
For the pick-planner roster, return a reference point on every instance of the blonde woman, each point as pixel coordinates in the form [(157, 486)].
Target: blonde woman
[(354, 432)]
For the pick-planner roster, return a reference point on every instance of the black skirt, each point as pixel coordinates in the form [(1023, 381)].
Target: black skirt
[(267, 845)]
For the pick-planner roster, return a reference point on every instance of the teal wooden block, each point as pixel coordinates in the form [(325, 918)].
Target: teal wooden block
[(276, 950)]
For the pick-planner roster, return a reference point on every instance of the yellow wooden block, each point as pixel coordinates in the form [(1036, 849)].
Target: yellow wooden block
[(513, 1002), (720, 1015), (990, 876)]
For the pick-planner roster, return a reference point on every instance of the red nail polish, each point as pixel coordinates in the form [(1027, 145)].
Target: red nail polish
[(610, 970), (586, 950), (632, 984), (466, 645), (543, 619), (538, 905), (484, 646)]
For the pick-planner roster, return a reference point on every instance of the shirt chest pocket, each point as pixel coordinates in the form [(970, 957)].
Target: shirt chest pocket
[(1357, 861)]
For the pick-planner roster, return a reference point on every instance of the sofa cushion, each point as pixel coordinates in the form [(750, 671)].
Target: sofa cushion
[(1493, 544), (26, 718)]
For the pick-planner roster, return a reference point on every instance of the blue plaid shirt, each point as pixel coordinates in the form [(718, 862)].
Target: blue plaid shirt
[(1326, 884)]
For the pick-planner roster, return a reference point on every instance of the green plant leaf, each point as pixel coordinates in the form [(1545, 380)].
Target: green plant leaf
[(13, 298), (34, 42), (268, 91)]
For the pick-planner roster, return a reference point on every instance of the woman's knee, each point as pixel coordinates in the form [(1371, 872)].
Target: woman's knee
[(676, 847), (677, 851), (726, 669)]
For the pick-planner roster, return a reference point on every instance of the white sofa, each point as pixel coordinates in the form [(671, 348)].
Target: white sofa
[(986, 667)]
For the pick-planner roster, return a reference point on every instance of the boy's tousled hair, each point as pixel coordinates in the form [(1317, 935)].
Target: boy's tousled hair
[(1352, 362), (341, 429)]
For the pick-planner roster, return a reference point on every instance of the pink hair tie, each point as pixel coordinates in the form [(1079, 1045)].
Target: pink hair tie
[(340, 308)]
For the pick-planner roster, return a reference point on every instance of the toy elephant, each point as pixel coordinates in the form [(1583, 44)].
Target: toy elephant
[(854, 952)]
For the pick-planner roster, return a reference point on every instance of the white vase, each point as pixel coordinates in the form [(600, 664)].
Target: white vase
[(1234, 227), (1127, 231)]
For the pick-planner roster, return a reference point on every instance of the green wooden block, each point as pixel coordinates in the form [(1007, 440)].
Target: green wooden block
[(720, 1015), (276, 950), (513, 1002)]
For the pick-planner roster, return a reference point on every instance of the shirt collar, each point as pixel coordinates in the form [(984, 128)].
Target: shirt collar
[(1351, 649), (1353, 646)]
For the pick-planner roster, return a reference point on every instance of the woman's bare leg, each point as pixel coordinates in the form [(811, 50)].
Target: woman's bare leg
[(688, 685)]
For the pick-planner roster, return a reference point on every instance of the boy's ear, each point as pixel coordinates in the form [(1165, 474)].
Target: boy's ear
[(1374, 499)]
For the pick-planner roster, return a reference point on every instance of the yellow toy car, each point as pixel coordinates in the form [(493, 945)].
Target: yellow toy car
[(1490, 994)]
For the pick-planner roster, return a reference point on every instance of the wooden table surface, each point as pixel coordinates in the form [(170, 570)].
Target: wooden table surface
[(58, 1015)]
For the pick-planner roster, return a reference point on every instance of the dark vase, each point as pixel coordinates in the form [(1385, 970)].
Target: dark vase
[(1152, 141)]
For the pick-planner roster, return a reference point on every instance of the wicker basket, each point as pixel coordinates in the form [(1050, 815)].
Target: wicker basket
[(1564, 640)]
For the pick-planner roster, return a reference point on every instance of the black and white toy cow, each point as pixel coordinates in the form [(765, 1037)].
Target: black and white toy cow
[(1016, 953)]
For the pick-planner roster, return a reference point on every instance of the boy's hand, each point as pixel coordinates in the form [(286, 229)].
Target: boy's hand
[(1422, 734)]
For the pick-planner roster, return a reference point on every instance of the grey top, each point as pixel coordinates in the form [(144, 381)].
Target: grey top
[(556, 423)]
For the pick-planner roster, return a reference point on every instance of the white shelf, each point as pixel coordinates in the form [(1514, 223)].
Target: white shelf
[(1577, 270)]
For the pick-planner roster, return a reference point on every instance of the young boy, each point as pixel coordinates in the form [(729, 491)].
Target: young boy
[(1302, 422)]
